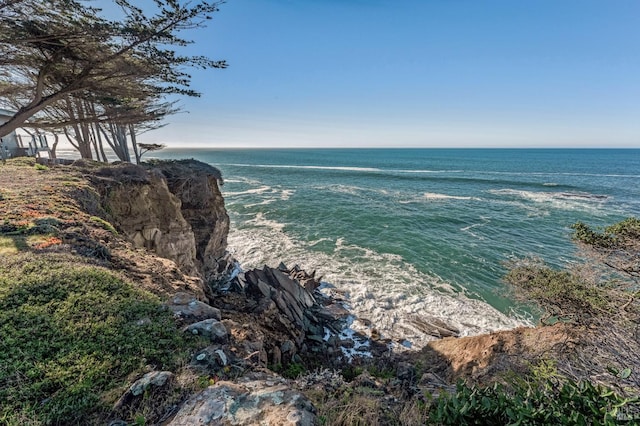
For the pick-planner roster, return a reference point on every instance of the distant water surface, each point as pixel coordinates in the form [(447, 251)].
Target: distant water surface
[(415, 232)]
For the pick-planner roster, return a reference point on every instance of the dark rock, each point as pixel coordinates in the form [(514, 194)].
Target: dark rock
[(287, 346), (315, 338), (276, 356), (406, 372), (213, 358), (264, 288)]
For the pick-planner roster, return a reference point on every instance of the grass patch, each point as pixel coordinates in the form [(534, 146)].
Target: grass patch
[(72, 335), (8, 245), (103, 224)]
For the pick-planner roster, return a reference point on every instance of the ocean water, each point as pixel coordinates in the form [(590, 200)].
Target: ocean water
[(410, 233)]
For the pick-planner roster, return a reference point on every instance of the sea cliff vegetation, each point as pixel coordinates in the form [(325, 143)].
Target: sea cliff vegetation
[(88, 308)]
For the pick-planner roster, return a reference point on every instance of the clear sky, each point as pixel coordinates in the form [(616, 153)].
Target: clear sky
[(415, 73)]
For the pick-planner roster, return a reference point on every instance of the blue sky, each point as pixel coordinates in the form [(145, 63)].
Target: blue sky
[(415, 73)]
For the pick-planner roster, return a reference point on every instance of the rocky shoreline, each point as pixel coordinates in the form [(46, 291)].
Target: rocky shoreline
[(259, 322)]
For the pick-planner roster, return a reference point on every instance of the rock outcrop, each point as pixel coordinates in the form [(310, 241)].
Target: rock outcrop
[(142, 207), (196, 185), (255, 399), (277, 317), (173, 208)]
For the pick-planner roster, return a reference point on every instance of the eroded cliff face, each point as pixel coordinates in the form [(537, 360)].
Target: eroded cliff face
[(195, 184), (172, 208)]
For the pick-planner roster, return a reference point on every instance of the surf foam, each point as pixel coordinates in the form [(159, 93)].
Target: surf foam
[(383, 290)]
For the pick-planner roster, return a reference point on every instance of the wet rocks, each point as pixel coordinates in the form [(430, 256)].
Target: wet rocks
[(257, 398), (299, 319), (434, 326)]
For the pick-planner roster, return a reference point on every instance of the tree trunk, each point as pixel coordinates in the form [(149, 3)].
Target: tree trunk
[(134, 143)]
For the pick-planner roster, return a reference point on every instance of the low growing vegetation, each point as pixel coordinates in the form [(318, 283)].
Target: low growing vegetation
[(548, 402), (73, 336)]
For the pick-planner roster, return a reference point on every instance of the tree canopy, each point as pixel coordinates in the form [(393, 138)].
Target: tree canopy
[(62, 63)]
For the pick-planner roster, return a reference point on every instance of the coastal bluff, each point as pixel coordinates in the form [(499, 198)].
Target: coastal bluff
[(121, 305)]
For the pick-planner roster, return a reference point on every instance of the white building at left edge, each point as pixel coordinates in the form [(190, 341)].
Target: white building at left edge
[(18, 145)]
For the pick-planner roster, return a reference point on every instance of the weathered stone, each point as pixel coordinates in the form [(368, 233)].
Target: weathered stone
[(212, 358), (333, 312), (284, 306), (187, 308), (196, 185), (182, 298), (265, 306), (276, 356), (406, 371), (155, 378), (287, 346), (316, 338), (264, 288), (211, 328), (238, 285), (259, 400), (249, 277), (294, 307)]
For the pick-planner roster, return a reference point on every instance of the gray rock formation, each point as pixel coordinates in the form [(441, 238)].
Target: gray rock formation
[(187, 309), (196, 185), (173, 208), (211, 328), (256, 399)]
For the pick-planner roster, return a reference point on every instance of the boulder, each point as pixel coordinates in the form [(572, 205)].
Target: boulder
[(211, 328), (153, 378), (256, 399), (156, 379), (189, 310)]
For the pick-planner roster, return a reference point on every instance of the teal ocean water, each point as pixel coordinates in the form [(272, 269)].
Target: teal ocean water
[(415, 232)]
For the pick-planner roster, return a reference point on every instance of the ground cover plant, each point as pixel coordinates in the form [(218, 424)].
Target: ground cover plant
[(72, 336)]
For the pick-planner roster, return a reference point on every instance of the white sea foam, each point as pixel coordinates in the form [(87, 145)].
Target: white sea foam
[(294, 166), (285, 194), (434, 196), (260, 190), (559, 200), (350, 189), (381, 288), (468, 229), (261, 203)]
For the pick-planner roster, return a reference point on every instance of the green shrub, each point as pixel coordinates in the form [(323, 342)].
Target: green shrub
[(562, 294), (71, 335), (103, 224), (293, 370), (547, 402)]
